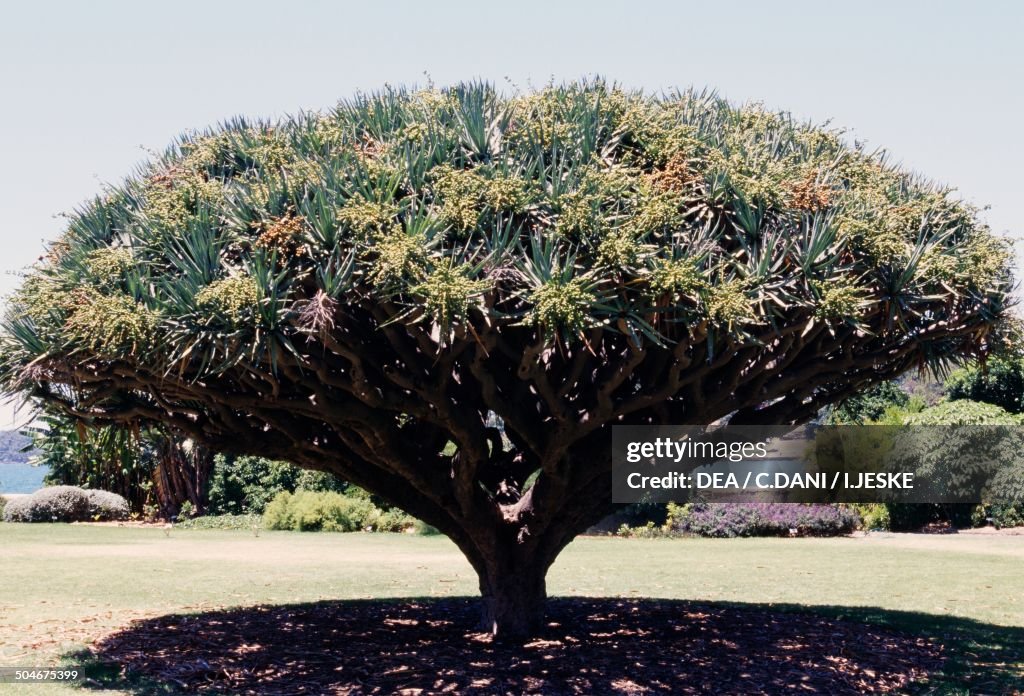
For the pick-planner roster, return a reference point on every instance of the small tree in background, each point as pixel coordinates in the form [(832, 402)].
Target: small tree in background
[(1000, 381), (363, 291), (146, 465), (958, 457), (240, 484)]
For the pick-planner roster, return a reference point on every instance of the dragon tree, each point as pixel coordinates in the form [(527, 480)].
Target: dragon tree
[(450, 296)]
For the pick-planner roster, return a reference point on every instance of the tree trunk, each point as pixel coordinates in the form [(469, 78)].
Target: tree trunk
[(513, 600), (181, 474), (512, 561)]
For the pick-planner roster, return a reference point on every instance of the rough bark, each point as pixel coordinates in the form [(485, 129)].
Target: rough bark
[(512, 558), (512, 599), (181, 475)]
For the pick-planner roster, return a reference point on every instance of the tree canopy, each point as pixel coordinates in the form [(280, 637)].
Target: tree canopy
[(371, 290)]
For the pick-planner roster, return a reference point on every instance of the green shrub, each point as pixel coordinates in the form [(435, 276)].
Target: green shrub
[(645, 531), (1000, 515), (331, 511), (104, 505), (3, 503), (310, 480), (278, 514), (327, 511), (762, 519), (1000, 381), (637, 515), (1007, 515), (394, 520), (51, 504), (423, 529), (247, 484), (17, 510), (869, 405), (911, 517), (314, 512), (66, 504), (873, 516)]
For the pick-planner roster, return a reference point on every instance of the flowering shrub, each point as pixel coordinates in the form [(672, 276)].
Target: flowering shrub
[(761, 519), (104, 505)]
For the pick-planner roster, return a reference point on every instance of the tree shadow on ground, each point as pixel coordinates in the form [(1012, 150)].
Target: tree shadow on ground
[(589, 646)]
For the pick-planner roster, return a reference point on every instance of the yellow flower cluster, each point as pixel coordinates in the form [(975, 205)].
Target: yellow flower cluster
[(582, 210), (464, 194), (234, 297), (282, 234), (677, 278), (618, 250), (728, 304), (447, 292), (561, 303), (172, 198), (367, 218), (838, 300), (109, 265), (396, 257), (112, 324)]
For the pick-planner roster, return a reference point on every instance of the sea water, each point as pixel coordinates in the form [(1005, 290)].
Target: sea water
[(20, 477)]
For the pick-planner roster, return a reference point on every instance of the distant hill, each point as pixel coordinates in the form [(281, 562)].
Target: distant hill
[(11, 444)]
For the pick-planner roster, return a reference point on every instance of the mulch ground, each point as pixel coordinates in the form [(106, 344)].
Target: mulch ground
[(590, 646)]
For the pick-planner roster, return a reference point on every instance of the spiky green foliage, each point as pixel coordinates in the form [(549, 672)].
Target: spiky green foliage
[(363, 290)]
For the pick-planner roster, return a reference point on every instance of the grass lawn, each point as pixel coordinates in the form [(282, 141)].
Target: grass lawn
[(65, 584)]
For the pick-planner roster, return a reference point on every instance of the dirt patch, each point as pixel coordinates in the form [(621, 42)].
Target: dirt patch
[(20, 642), (992, 531), (137, 524), (589, 646), (1005, 542), (46, 638)]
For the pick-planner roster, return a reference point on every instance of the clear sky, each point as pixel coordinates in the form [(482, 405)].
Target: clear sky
[(85, 86)]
